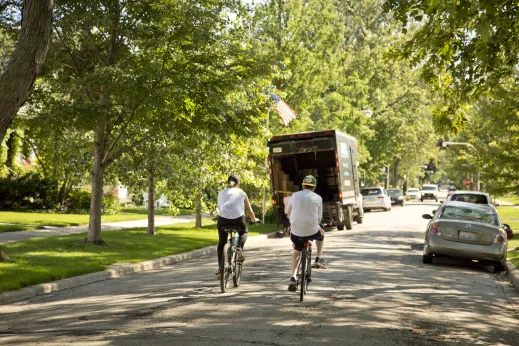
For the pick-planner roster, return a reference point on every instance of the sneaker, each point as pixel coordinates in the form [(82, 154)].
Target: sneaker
[(320, 264), (241, 258), (292, 284)]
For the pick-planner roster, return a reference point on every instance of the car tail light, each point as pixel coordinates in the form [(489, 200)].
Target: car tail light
[(380, 197), (435, 230), (500, 237)]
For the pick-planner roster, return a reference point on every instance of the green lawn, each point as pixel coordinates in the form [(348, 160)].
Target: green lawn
[(510, 215), (513, 198), (40, 260), (19, 221), (136, 210)]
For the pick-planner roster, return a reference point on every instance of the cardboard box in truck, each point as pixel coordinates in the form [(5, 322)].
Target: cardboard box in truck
[(332, 158)]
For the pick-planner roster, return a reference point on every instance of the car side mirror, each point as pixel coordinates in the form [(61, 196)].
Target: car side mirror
[(427, 216), (434, 211), (509, 232)]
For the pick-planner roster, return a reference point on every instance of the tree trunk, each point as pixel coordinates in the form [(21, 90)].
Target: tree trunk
[(151, 203), (395, 172), (25, 64), (198, 209), (96, 203)]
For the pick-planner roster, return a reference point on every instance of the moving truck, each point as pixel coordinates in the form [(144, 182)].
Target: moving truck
[(332, 158)]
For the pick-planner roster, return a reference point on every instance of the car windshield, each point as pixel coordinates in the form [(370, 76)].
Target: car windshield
[(486, 216), (470, 198), (429, 188), (394, 192), (412, 190), (371, 192)]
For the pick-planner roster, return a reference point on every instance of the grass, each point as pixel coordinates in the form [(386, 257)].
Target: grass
[(40, 260), (513, 198), (510, 215)]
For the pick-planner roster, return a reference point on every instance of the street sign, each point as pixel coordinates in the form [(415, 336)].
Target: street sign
[(467, 182)]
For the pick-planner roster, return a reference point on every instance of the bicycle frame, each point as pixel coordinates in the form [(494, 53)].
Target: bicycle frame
[(229, 267), (304, 270)]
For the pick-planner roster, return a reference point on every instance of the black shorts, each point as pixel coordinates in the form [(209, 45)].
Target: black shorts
[(300, 241)]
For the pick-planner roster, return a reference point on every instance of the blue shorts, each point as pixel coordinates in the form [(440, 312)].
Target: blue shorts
[(299, 242)]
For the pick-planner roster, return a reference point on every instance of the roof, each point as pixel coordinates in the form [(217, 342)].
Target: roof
[(486, 207), (470, 192)]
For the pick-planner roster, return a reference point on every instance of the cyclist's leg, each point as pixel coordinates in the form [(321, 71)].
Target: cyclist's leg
[(298, 245), (243, 231), (222, 237), (319, 261)]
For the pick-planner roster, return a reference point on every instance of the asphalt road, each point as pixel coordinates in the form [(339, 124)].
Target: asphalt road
[(376, 292)]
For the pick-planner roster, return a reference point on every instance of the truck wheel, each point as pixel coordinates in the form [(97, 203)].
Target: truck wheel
[(348, 219), (340, 227), (359, 219)]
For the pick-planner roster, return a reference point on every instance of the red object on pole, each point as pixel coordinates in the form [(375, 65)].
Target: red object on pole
[(467, 182)]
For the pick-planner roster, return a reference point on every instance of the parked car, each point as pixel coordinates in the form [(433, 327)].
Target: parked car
[(375, 198), (429, 191), (470, 197), (413, 193), (469, 231), (396, 196)]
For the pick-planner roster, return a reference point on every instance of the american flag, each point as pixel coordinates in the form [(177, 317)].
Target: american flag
[(284, 111)]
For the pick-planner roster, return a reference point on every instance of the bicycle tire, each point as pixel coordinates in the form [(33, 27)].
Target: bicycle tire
[(237, 271), (225, 270), (308, 267), (303, 275)]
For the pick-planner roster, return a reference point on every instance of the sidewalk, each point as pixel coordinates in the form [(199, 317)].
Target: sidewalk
[(11, 237)]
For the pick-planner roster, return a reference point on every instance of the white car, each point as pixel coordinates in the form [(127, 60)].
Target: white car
[(413, 193), (375, 198), (429, 191)]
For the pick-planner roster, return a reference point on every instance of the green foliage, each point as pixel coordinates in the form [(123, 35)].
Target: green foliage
[(13, 150), (257, 207), (78, 201), (111, 205), (30, 191)]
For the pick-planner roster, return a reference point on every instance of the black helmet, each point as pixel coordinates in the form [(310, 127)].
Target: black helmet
[(233, 177)]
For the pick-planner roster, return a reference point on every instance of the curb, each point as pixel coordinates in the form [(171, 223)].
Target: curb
[(513, 274), (116, 270)]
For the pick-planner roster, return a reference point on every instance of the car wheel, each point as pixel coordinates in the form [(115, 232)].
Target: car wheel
[(421, 200), (499, 267), (367, 210), (402, 204), (427, 259), (436, 199), (340, 227)]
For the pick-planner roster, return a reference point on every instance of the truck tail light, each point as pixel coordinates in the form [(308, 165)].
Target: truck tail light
[(340, 195)]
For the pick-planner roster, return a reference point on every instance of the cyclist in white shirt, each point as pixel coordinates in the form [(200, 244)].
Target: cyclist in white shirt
[(305, 211), (233, 203)]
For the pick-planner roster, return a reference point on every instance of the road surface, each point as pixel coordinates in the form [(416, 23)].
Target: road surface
[(376, 292)]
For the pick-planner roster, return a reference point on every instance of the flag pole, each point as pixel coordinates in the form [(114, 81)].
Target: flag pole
[(266, 168)]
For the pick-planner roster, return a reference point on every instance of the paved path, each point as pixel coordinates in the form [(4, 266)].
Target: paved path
[(376, 292), (10, 237)]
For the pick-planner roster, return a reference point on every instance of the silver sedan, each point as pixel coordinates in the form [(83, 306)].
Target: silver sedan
[(466, 230)]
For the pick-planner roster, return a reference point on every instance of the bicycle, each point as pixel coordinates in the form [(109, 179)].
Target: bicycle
[(230, 265), (304, 269)]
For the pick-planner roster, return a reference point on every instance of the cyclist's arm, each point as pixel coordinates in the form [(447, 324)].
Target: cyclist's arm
[(248, 209)]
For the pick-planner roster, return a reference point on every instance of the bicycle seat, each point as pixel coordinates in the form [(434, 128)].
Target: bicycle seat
[(230, 229)]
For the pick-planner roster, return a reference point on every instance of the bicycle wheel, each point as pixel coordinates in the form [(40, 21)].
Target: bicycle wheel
[(237, 267), (225, 268), (302, 274), (308, 267)]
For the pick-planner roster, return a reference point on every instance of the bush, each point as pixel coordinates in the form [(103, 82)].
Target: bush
[(30, 191), (257, 208), (78, 201), (111, 205)]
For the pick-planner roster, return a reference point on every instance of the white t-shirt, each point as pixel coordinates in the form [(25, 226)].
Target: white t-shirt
[(231, 202), (305, 207)]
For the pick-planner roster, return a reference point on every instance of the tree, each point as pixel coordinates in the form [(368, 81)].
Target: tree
[(19, 74), (125, 72), (466, 49)]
